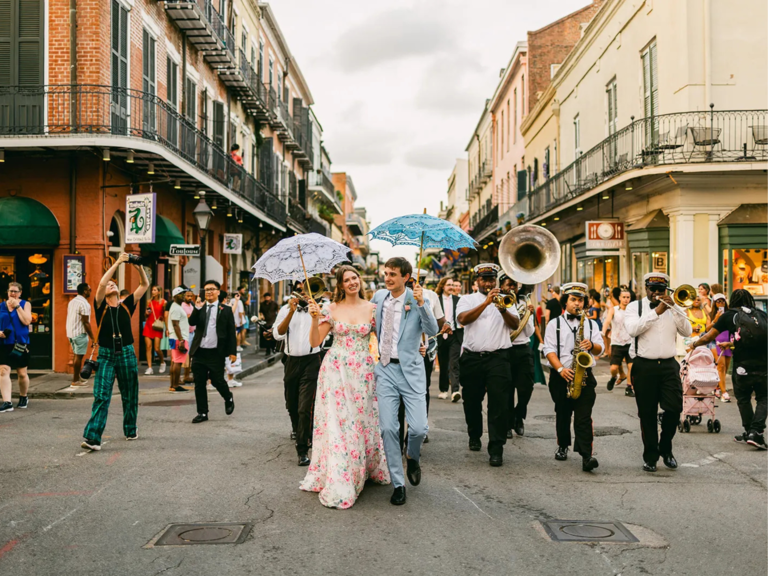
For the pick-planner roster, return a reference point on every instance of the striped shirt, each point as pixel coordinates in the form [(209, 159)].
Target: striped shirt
[(77, 307)]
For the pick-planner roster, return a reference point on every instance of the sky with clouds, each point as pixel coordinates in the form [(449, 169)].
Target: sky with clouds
[(400, 85)]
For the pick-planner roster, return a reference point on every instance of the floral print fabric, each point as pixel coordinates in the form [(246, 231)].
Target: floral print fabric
[(346, 445)]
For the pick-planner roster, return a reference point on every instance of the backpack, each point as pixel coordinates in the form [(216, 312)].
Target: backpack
[(751, 330)]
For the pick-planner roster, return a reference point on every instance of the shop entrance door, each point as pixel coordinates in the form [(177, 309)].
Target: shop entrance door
[(34, 271)]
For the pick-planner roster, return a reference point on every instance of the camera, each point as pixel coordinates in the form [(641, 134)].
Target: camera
[(88, 368), (135, 259)]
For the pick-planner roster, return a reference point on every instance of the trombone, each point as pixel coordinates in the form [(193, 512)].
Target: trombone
[(683, 296)]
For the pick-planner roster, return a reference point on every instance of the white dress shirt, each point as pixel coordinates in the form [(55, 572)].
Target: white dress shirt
[(619, 334), (656, 335), (398, 302), (211, 339), (448, 309), (298, 332), (488, 332), (568, 331), (525, 336)]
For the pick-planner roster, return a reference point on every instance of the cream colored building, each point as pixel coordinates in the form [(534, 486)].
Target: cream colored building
[(627, 134), (483, 208), (457, 191)]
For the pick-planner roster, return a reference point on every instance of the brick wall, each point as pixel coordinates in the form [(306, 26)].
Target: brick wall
[(551, 45)]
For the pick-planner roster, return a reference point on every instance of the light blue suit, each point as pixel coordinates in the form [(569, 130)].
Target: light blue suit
[(406, 380)]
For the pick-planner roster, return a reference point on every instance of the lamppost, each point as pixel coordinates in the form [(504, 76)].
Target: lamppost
[(203, 215)]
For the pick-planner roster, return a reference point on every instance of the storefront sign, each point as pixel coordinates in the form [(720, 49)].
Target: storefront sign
[(602, 234), (184, 250), (140, 214), (660, 262), (74, 273), (233, 243)]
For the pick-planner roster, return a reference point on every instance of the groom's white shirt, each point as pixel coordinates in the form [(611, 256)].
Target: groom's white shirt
[(398, 311)]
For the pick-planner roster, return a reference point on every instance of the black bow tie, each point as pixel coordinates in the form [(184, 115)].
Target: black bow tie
[(301, 308), (573, 316)]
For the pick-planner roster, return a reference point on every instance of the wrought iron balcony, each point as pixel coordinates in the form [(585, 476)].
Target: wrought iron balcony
[(356, 225), (318, 226), (682, 138), (108, 111), (205, 28), (491, 218), (320, 183)]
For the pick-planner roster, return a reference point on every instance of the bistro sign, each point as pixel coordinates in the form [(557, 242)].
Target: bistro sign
[(140, 216), (604, 234), (184, 250)]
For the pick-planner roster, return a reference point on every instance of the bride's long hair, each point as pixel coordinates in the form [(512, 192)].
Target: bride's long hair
[(339, 294)]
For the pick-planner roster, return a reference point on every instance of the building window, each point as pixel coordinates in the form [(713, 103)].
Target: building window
[(576, 137), (190, 100), (612, 102), (261, 60), (149, 81), (522, 96), (514, 125), (650, 81), (501, 132), (545, 166), (507, 124), (271, 71)]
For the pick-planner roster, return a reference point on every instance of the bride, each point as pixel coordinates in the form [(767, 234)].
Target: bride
[(346, 446)]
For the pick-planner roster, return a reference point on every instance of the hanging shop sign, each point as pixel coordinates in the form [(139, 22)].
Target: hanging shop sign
[(140, 216), (603, 234), (233, 243), (184, 250)]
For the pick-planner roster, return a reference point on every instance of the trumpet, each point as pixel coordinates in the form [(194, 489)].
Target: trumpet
[(503, 301)]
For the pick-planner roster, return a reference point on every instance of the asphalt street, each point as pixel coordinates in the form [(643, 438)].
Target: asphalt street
[(63, 511)]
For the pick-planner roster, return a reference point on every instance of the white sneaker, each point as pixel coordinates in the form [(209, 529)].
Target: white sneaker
[(239, 348), (443, 395), (162, 368), (148, 372), (726, 397), (234, 384), (456, 396)]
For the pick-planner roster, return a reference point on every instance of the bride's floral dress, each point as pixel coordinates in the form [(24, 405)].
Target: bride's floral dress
[(346, 445)]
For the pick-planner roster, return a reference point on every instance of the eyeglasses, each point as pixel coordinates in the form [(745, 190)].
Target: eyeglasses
[(14, 291), (211, 290), (659, 289)]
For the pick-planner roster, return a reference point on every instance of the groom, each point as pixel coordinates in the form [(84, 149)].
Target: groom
[(401, 317)]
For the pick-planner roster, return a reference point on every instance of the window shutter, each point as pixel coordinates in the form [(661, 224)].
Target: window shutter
[(266, 175), (5, 43), (218, 124), (522, 180), (30, 45), (654, 80)]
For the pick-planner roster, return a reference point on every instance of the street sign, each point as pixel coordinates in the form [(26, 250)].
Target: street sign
[(184, 250)]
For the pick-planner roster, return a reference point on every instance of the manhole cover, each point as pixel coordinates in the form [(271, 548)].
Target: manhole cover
[(168, 402), (610, 431), (588, 531), (204, 533), (545, 417)]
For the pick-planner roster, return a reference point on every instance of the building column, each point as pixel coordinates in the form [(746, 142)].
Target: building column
[(714, 248), (681, 248)]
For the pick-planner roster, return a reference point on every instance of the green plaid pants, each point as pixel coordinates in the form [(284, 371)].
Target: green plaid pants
[(126, 368)]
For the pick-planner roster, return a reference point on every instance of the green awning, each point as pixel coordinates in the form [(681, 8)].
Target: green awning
[(27, 222), (166, 233)]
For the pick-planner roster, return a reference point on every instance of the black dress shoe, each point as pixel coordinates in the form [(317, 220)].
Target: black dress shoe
[(200, 418), (629, 392), (426, 439), (509, 434), (496, 460), (293, 435), (475, 445), (589, 463), (520, 427), (669, 460), (562, 453), (398, 496), (303, 460), (413, 471), (649, 466), (229, 406)]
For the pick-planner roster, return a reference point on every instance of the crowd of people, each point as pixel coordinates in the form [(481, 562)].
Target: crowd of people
[(358, 365)]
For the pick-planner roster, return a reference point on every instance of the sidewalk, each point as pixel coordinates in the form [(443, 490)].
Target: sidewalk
[(57, 385)]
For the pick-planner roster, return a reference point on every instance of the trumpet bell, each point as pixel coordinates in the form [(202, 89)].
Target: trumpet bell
[(529, 254), (316, 286), (684, 295), (505, 300)]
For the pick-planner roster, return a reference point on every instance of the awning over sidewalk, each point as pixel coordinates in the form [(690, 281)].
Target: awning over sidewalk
[(27, 222), (167, 233)]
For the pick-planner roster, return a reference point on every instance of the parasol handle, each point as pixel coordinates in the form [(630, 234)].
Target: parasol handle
[(306, 277), (421, 250)]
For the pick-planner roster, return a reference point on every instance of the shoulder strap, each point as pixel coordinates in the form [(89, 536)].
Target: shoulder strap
[(639, 313), (558, 336)]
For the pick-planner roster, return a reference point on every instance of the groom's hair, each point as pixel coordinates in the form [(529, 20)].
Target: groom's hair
[(401, 264)]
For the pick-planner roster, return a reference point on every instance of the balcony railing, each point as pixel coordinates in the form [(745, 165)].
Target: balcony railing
[(318, 226), (490, 218), (682, 138), (112, 111), (321, 180), (205, 28), (357, 225)]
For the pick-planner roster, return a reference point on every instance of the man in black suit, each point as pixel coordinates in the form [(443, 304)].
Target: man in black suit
[(214, 340), (449, 343)]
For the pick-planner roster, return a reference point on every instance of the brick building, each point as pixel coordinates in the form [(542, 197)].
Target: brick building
[(142, 96)]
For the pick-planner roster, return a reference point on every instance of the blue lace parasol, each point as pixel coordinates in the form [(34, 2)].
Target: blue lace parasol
[(437, 233)]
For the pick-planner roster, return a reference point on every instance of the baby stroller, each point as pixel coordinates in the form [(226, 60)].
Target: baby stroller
[(700, 379)]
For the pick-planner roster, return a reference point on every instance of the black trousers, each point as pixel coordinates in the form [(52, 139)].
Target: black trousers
[(428, 366), (208, 364), (580, 409), (449, 354), (521, 364), (753, 382), (300, 380), (481, 372), (657, 385)]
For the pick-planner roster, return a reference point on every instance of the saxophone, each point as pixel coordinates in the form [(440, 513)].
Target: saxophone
[(581, 362)]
